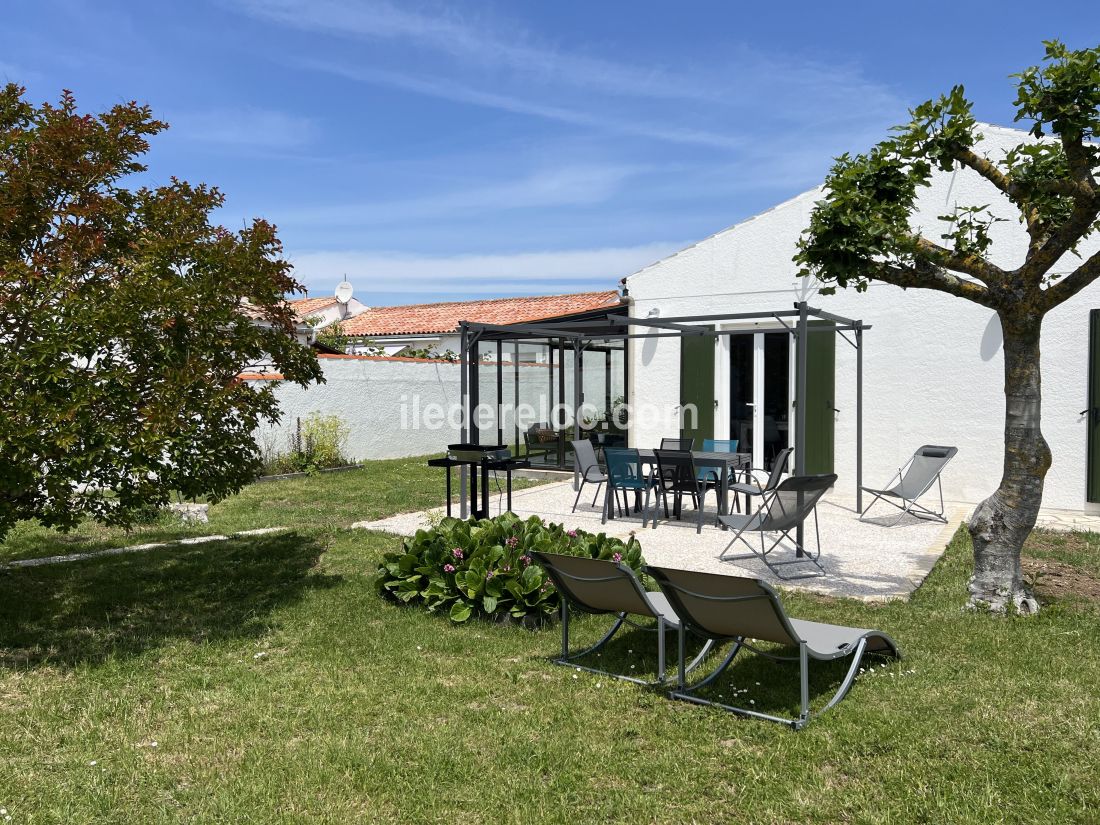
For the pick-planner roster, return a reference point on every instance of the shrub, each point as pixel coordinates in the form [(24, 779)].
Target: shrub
[(484, 568), (318, 442)]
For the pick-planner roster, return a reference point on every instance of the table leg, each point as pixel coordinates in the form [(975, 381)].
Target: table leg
[(508, 475), (448, 491), (473, 491), (485, 490)]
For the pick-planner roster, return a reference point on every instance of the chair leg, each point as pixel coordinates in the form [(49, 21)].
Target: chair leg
[(597, 495), (578, 498)]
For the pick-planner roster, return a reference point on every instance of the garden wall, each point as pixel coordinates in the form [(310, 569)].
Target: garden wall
[(382, 400)]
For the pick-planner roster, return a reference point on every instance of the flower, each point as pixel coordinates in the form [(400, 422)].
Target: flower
[(512, 541), (448, 568), (571, 533), (525, 559), (617, 557), (489, 575), (457, 552)]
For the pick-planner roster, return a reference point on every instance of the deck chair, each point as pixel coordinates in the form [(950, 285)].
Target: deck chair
[(601, 586), (753, 487), (731, 608), (781, 511), (912, 481), (588, 467)]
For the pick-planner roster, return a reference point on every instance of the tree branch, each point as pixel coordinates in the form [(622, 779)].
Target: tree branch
[(926, 275), (973, 265), (1080, 167), (1041, 259), (989, 170), (1073, 283)]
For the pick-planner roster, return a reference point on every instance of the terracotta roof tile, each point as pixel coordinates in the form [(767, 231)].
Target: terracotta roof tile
[(304, 307), (421, 319)]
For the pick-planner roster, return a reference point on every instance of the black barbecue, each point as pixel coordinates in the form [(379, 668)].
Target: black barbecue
[(481, 458)]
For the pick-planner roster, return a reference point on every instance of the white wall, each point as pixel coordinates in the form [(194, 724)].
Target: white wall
[(379, 399), (933, 369)]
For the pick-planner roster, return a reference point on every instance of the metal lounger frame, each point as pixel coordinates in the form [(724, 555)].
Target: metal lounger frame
[(569, 658), (687, 693)]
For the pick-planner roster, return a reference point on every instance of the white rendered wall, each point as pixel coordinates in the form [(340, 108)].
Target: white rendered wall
[(933, 367), (383, 402)]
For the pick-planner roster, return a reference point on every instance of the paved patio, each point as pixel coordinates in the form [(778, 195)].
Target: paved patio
[(862, 560)]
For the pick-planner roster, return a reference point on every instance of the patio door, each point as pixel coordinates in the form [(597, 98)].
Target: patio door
[(760, 394)]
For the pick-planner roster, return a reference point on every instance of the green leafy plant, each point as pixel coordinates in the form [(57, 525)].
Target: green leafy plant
[(319, 442), (485, 568)]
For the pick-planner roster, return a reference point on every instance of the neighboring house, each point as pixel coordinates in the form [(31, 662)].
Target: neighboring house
[(933, 368), (435, 326), (326, 311)]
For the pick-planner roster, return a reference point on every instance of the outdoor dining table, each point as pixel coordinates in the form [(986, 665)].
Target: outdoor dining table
[(705, 459)]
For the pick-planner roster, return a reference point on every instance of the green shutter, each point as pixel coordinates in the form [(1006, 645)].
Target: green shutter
[(697, 386), (1093, 412), (820, 397)]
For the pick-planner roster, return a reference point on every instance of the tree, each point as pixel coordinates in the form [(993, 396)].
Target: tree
[(332, 336), (125, 318), (861, 230)]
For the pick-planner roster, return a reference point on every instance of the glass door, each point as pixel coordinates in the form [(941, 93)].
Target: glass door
[(760, 394)]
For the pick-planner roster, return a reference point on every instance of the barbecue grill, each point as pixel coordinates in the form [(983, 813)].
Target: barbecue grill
[(480, 458)]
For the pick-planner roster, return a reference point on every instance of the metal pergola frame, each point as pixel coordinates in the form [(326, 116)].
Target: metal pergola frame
[(605, 325)]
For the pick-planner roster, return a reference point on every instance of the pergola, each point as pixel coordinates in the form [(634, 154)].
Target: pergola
[(579, 332)]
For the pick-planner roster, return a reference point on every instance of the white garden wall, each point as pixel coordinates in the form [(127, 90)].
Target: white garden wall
[(933, 370)]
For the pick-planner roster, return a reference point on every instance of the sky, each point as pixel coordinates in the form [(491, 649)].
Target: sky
[(441, 150)]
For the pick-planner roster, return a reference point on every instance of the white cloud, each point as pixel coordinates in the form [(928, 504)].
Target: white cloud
[(450, 90), (245, 126), (576, 185), (479, 42), (476, 275)]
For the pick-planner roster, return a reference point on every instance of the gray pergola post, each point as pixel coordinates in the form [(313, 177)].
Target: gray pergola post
[(859, 416), (802, 341), (464, 355), (576, 408)]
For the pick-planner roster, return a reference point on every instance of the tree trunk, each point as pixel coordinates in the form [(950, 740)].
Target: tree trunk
[(1002, 522)]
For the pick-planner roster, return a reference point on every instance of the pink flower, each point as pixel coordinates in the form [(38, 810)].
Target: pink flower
[(617, 557), (525, 559), (489, 575), (448, 568), (571, 533), (512, 541), (457, 552)]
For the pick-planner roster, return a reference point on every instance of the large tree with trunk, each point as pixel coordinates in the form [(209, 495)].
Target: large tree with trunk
[(126, 316), (862, 230)]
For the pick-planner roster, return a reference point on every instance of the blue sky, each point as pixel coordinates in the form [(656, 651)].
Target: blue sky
[(432, 151)]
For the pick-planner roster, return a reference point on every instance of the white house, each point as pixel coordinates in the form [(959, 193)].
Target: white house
[(933, 371)]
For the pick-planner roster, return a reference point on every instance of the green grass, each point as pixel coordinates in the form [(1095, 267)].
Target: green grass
[(280, 688), (324, 501)]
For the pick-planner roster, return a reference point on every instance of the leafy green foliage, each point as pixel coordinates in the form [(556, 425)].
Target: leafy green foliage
[(126, 317), (468, 568), (318, 442), (332, 336), (861, 231)]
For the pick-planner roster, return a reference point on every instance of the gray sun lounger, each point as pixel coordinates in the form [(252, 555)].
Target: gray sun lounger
[(782, 511), (600, 586), (731, 608), (914, 480)]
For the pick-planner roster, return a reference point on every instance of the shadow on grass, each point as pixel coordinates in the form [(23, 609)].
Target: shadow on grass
[(69, 614)]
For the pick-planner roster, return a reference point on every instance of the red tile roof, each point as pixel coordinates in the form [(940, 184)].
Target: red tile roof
[(421, 319), (304, 307)]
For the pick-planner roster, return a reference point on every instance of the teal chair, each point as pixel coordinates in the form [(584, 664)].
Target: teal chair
[(719, 445), (624, 472)]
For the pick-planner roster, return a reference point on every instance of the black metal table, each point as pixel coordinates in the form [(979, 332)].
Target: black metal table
[(712, 460), (480, 468)]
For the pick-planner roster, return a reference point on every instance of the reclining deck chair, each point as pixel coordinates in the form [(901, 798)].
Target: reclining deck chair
[(752, 486), (782, 510), (600, 586), (731, 608), (912, 481)]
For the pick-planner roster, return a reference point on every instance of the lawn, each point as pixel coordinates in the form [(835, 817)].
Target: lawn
[(263, 680)]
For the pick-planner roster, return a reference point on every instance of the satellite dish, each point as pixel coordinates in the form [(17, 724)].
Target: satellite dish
[(343, 292)]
